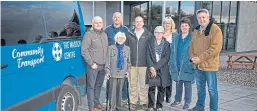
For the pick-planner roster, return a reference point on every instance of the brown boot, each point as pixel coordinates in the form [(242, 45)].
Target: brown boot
[(92, 109), (99, 107)]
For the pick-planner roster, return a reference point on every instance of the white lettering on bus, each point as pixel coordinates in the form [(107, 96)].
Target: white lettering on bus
[(19, 55), (69, 55), (16, 54)]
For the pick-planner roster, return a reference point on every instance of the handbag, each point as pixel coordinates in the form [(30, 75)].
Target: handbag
[(155, 81)]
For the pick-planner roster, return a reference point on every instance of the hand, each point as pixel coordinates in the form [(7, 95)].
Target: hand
[(196, 60), (152, 69), (94, 66), (108, 76), (127, 74), (153, 74)]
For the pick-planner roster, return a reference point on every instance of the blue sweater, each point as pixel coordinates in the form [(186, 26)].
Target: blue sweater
[(111, 31), (180, 66)]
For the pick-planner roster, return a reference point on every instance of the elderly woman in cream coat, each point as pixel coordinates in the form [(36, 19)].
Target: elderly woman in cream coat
[(117, 67)]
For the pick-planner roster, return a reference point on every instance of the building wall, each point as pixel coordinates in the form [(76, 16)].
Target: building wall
[(247, 27), (100, 8), (126, 14), (111, 7), (87, 11)]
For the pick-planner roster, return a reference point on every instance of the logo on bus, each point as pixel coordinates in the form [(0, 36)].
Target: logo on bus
[(57, 52)]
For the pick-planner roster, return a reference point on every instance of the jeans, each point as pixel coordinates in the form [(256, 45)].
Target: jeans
[(95, 79), (125, 90), (211, 78), (188, 91)]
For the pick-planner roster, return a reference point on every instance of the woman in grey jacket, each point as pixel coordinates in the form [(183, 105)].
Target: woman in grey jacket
[(117, 67)]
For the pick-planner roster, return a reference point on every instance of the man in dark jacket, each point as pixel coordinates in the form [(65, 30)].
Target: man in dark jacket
[(137, 40)]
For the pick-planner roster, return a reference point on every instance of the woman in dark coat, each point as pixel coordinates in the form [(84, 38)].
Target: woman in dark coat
[(157, 75)]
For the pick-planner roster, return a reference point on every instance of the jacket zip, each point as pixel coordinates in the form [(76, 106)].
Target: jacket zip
[(99, 35), (137, 53), (180, 65), (176, 63)]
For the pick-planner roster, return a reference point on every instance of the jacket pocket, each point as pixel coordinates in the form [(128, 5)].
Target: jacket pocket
[(188, 68), (126, 54), (113, 53), (209, 63)]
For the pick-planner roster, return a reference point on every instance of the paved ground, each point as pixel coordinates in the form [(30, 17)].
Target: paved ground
[(237, 89), (231, 98)]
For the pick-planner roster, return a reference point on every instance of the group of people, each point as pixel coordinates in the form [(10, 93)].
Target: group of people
[(150, 62)]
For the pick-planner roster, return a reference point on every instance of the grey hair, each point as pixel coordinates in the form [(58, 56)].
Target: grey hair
[(97, 18), (119, 34), (203, 10)]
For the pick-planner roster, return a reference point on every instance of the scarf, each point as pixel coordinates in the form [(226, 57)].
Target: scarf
[(120, 57), (158, 48)]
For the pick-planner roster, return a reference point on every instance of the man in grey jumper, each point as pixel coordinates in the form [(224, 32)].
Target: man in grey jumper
[(94, 50)]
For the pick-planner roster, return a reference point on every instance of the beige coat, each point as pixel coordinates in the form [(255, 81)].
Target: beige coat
[(111, 62), (207, 46)]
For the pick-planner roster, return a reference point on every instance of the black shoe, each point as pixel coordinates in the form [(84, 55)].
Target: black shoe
[(167, 100), (144, 106), (133, 106)]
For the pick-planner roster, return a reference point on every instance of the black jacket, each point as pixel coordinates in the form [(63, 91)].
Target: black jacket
[(138, 47), (161, 66)]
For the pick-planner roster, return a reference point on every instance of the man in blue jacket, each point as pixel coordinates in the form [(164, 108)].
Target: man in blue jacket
[(116, 27), (111, 31)]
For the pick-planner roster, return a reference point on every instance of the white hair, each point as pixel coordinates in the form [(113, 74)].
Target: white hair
[(203, 10), (97, 18), (119, 34)]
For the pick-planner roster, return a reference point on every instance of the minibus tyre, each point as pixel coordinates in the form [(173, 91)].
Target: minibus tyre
[(67, 99)]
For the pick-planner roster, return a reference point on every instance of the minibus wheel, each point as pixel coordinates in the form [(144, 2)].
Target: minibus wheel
[(67, 99)]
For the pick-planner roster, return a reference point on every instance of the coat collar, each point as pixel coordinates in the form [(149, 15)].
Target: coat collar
[(153, 47), (207, 29), (134, 34)]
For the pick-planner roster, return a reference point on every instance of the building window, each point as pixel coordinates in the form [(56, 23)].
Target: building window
[(216, 11), (233, 12), (156, 13), (135, 11), (144, 12), (187, 10), (225, 12), (172, 11), (207, 5)]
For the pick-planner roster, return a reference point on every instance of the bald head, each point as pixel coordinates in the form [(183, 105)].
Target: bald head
[(117, 18), (139, 21)]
